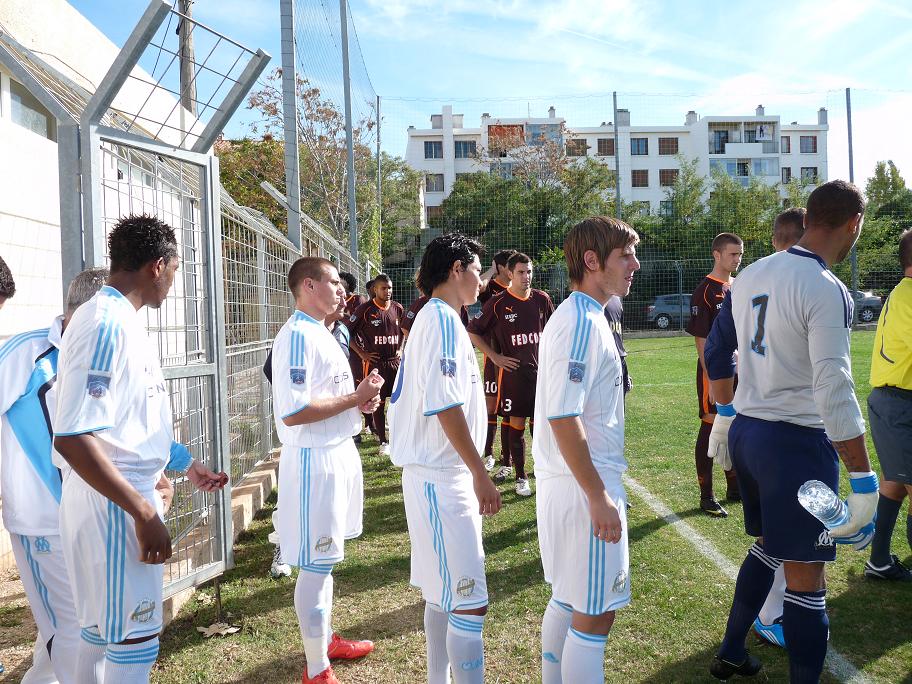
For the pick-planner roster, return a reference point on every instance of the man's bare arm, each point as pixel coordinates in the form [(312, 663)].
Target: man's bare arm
[(327, 407), (499, 360), (854, 454), (454, 425)]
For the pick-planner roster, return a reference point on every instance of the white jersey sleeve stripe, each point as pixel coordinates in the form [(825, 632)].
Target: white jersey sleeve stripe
[(15, 342), (103, 357)]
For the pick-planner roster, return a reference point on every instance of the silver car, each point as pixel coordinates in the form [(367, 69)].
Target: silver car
[(867, 306)]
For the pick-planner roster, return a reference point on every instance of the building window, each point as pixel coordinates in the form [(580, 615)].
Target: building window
[(786, 174), (433, 182), (743, 167), (539, 134), (433, 149), (606, 147), (641, 208), (465, 149), (639, 146), (666, 208), (667, 177), (639, 178), (434, 212), (786, 144), (668, 145), (504, 137), (577, 148), (809, 173), (28, 112), (808, 144), (502, 169)]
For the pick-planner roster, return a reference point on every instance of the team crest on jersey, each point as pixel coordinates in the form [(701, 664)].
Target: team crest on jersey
[(97, 385), (42, 545), (144, 611), (511, 317), (620, 583), (298, 376), (410, 314), (694, 310), (376, 322), (352, 318), (448, 367), (465, 586), (824, 541), (324, 545), (577, 371)]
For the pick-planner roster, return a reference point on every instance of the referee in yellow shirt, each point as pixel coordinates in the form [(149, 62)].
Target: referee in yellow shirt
[(890, 416)]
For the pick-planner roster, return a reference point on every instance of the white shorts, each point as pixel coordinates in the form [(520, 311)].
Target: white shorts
[(592, 576), (112, 589), (445, 530), (44, 575), (321, 497)]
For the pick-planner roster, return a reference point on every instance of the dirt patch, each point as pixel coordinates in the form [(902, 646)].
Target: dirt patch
[(17, 629)]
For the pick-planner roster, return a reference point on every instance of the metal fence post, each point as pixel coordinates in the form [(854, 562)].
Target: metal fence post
[(264, 431)]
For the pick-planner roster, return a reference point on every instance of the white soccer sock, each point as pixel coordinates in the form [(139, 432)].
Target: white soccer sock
[(583, 659), (313, 605), (435, 634), (555, 626), (465, 647), (130, 663), (772, 608), (90, 660)]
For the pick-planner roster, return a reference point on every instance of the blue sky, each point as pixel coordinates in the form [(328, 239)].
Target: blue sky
[(663, 58)]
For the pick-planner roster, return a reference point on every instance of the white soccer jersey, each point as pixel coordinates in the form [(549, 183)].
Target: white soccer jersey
[(438, 371), (307, 364), (579, 374), (792, 317), (31, 483), (110, 383)]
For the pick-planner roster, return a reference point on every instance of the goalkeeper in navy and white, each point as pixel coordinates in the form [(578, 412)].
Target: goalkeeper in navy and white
[(797, 416)]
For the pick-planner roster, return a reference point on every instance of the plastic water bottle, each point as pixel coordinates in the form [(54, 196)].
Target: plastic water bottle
[(823, 503)]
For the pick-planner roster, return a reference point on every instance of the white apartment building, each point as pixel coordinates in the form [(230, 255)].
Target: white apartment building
[(647, 156)]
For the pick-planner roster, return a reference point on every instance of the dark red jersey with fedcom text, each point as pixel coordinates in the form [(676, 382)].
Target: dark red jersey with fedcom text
[(378, 328), (515, 325), (493, 289)]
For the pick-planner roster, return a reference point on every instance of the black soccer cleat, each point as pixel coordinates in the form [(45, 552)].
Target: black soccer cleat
[(733, 496), (895, 571), (712, 507), (724, 670)]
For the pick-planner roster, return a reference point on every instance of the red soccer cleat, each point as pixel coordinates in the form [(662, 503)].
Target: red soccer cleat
[(347, 649), (325, 677)]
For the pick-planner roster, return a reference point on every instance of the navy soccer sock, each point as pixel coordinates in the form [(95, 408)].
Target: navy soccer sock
[(887, 511), (505, 431), (518, 451), (909, 530), (806, 627), (751, 589)]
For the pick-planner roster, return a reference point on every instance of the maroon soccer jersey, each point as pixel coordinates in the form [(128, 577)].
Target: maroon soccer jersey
[(493, 289), (378, 328), (515, 324), (352, 304), (705, 303), (418, 305)]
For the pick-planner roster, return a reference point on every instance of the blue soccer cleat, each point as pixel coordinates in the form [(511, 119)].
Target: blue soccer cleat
[(771, 633)]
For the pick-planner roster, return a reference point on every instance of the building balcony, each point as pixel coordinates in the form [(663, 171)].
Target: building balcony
[(746, 149)]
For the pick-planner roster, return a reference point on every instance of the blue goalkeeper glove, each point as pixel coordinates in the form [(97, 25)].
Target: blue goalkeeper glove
[(858, 530)]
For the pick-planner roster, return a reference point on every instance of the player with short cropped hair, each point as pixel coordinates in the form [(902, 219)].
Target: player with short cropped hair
[(889, 408), (579, 456), (7, 284), (417, 306), (437, 419), (727, 251), (113, 428), (316, 404), (494, 281), (352, 301), (376, 337), (788, 228), (513, 321), (797, 416), (32, 483)]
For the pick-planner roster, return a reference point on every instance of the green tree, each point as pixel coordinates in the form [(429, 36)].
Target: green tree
[(885, 186)]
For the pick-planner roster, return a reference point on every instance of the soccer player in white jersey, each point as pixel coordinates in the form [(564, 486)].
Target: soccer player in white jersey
[(32, 484), (437, 418), (316, 408), (113, 427), (797, 416), (579, 456)]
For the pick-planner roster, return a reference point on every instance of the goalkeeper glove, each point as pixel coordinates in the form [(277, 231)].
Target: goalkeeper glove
[(858, 530), (718, 437)]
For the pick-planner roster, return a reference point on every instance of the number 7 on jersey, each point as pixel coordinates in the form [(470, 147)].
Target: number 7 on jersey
[(760, 303)]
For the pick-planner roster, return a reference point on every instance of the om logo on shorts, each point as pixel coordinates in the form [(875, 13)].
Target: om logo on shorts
[(324, 545), (465, 587), (620, 583), (824, 541), (144, 611), (42, 545)]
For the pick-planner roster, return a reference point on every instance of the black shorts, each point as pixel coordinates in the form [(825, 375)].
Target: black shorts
[(517, 393), (705, 406), (387, 369), (490, 374), (890, 415)]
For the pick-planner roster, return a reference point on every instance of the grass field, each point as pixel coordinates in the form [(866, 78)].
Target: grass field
[(668, 634)]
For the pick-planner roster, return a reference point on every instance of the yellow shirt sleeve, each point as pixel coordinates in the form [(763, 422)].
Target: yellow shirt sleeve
[(891, 359)]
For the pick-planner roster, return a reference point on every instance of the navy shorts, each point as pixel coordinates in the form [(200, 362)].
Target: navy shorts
[(772, 460), (890, 417)]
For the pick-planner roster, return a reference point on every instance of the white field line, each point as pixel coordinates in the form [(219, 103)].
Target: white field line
[(837, 663)]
